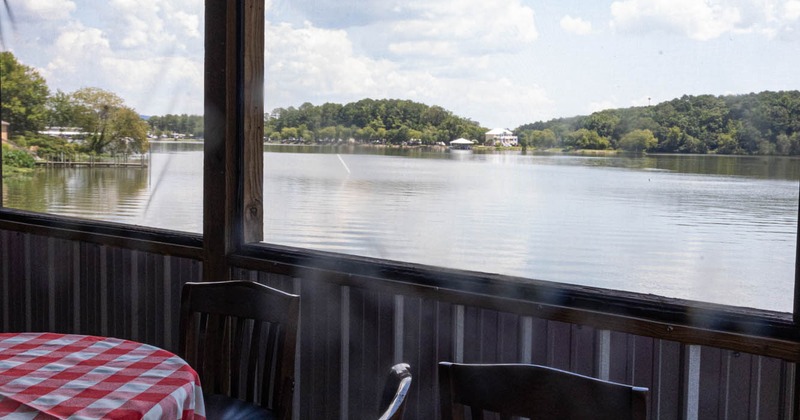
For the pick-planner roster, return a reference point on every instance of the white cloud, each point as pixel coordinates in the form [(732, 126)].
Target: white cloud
[(317, 60), (476, 58), (426, 47), (495, 103), (74, 47), (792, 10), (145, 27), (469, 25), (608, 103), (321, 65), (126, 47), (576, 25), (704, 20), (166, 83), (189, 23), (701, 20), (44, 9)]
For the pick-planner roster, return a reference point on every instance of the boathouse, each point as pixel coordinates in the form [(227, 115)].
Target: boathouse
[(461, 144)]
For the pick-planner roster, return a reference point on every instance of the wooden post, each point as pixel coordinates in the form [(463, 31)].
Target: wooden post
[(253, 107), (234, 57)]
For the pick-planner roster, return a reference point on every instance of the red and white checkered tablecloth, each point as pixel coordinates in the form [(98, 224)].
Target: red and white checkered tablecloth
[(46, 375)]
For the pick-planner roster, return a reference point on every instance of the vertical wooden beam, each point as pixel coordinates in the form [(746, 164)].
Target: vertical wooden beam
[(796, 319), (220, 134), (796, 308), (234, 118), (253, 96)]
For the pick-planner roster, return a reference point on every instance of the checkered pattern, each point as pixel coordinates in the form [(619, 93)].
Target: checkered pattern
[(45, 376)]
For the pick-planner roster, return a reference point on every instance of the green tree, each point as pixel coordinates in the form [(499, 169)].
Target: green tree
[(327, 134), (128, 131), (542, 139), (289, 133), (369, 120), (638, 141), (109, 124), (61, 110), (603, 123), (24, 94), (586, 139)]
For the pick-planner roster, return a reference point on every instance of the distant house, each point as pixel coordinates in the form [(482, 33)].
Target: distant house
[(4, 134), (461, 144), (501, 137), (69, 133)]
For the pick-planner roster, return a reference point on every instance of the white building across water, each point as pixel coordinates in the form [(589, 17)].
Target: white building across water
[(501, 137), (461, 144)]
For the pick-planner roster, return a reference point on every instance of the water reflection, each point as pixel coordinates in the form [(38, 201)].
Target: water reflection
[(762, 167), (709, 228), (80, 192)]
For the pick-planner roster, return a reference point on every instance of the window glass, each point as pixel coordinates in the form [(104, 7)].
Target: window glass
[(102, 110), (637, 145)]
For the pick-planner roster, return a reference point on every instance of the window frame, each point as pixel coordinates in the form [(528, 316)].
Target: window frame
[(233, 170), (629, 311)]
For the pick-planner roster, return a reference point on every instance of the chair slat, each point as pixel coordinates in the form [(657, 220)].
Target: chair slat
[(253, 364), (271, 361), (212, 349), (236, 357), (241, 338)]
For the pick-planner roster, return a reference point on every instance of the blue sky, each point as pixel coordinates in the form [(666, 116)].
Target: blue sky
[(502, 63)]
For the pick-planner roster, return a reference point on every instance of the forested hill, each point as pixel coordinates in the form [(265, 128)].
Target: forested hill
[(392, 121), (756, 123)]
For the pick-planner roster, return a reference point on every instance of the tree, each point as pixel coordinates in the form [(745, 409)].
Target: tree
[(586, 139), (61, 110), (542, 139), (369, 120), (109, 124), (638, 141), (128, 131), (24, 95), (603, 122)]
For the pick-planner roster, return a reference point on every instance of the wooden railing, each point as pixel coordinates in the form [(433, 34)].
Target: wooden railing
[(358, 317)]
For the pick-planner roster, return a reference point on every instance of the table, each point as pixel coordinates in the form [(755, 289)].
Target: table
[(47, 375)]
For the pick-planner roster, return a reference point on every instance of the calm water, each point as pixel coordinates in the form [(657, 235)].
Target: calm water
[(712, 228)]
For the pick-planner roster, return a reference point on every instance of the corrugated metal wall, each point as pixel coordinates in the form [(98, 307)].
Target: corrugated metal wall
[(50, 284), (356, 334), (350, 336)]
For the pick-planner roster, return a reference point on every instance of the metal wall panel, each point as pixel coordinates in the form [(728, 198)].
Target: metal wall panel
[(351, 335), (52, 284)]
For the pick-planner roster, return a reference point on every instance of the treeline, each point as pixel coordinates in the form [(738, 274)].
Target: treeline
[(172, 124), (765, 123), (390, 121), (104, 122)]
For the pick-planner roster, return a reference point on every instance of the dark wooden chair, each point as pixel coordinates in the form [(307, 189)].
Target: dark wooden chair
[(393, 401), (240, 337), (535, 392)]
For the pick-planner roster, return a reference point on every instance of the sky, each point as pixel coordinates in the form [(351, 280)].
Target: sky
[(502, 63)]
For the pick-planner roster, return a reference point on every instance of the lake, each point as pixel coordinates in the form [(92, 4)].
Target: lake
[(711, 228)]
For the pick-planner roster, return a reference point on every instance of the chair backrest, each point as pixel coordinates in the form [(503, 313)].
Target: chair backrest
[(536, 392), (241, 336), (393, 401)]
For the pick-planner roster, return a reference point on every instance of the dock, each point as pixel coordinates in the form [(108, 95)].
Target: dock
[(143, 163)]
